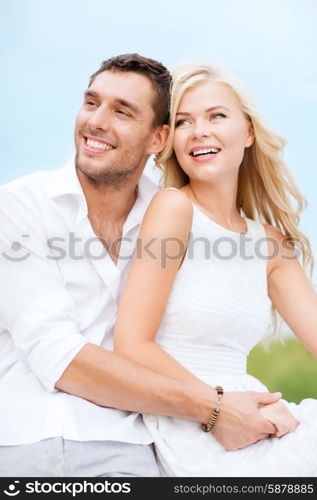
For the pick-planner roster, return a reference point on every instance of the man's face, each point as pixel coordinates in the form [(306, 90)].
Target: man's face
[(114, 128)]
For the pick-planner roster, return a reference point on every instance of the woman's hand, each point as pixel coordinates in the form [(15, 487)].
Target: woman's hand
[(280, 416)]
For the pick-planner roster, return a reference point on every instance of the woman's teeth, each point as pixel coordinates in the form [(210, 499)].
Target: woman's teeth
[(205, 151)]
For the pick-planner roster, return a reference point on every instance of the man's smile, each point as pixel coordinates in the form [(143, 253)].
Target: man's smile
[(96, 146)]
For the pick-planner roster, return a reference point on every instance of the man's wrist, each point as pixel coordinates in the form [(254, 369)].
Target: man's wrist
[(207, 427), (203, 402)]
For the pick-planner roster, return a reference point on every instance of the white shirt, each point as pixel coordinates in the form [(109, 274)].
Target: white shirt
[(59, 290)]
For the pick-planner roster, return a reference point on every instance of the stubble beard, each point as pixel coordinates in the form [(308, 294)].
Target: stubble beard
[(112, 177)]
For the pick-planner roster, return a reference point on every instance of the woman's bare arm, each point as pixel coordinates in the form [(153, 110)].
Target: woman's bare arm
[(291, 292), (164, 232)]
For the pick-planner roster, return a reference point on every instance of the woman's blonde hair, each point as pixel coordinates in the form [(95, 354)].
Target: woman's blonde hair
[(266, 188)]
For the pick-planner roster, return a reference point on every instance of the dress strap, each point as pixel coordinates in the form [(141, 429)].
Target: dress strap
[(260, 240), (256, 228)]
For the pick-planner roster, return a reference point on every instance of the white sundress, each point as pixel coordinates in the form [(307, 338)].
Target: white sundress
[(218, 310)]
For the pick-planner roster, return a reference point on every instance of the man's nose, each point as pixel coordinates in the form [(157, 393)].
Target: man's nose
[(100, 118)]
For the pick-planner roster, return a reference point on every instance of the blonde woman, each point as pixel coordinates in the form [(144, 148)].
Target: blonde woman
[(217, 251)]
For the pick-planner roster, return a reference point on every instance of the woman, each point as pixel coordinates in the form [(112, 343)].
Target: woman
[(217, 253)]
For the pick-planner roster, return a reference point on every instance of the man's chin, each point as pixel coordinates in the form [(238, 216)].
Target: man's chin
[(103, 175), (89, 165), (91, 172)]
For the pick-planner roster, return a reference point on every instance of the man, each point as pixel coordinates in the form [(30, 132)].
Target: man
[(65, 244)]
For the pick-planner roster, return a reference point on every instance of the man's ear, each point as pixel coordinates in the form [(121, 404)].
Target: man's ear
[(159, 139), (250, 136)]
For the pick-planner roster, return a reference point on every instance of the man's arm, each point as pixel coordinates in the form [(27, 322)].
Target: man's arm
[(35, 306), (107, 379)]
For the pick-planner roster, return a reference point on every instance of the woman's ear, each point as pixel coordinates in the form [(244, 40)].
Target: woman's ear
[(250, 136)]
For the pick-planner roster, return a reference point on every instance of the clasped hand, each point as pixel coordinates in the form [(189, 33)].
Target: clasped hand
[(248, 417), (280, 416)]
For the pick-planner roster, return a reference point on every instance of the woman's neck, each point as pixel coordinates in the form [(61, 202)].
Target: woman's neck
[(218, 201)]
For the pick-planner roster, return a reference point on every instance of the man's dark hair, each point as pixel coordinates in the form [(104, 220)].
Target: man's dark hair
[(153, 70)]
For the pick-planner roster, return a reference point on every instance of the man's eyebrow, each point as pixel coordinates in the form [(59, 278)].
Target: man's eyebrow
[(90, 93), (185, 113), (117, 100)]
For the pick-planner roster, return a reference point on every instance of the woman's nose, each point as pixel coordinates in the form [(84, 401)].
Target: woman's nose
[(202, 129)]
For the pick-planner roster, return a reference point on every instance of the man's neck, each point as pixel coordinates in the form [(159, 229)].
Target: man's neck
[(108, 208), (112, 202)]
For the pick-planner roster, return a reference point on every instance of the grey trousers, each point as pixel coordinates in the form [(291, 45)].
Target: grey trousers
[(57, 457)]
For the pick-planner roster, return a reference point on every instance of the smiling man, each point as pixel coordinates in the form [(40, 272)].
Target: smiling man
[(116, 134), (59, 303), (121, 123), (71, 404)]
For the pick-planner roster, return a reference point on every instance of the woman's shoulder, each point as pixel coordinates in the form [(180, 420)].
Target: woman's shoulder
[(170, 209), (281, 250), (277, 240), (168, 199), (273, 232)]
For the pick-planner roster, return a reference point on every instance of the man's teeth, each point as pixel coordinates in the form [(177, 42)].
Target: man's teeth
[(205, 151), (98, 145)]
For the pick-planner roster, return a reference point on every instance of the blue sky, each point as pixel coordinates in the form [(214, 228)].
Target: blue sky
[(50, 47)]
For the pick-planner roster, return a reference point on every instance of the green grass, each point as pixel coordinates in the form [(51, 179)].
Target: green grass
[(286, 367)]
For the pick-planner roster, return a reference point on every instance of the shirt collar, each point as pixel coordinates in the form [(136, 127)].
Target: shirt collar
[(64, 182), (146, 190)]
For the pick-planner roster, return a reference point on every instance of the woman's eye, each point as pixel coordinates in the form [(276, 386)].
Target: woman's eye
[(181, 123), (216, 116)]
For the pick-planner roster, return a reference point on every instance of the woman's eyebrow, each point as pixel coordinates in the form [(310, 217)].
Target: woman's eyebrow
[(206, 111)]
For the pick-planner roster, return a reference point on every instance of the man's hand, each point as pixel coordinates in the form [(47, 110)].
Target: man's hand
[(281, 418), (241, 421)]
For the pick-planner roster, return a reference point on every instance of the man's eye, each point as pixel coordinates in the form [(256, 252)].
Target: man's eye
[(122, 112), (90, 103), (181, 123)]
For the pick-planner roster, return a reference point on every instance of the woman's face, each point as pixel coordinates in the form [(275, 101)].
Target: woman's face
[(211, 132)]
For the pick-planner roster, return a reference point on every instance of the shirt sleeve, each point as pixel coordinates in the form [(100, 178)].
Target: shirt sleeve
[(35, 306)]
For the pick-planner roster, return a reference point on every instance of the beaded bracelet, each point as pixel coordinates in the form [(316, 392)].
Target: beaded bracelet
[(211, 422)]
